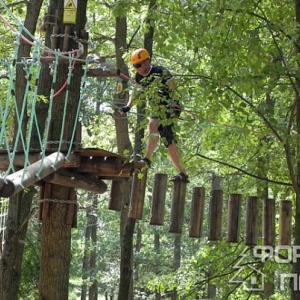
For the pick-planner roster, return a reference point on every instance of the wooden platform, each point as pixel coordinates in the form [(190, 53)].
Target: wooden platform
[(97, 162), (84, 169)]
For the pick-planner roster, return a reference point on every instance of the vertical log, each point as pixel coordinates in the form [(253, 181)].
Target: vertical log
[(197, 212), (158, 199), (66, 42), (285, 222), (42, 192), (54, 38), (177, 207), (251, 226), (233, 224), (215, 216), (138, 194), (71, 209), (116, 196), (269, 222), (78, 136), (46, 203), (84, 35)]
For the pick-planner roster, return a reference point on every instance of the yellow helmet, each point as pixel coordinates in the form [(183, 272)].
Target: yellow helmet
[(139, 55)]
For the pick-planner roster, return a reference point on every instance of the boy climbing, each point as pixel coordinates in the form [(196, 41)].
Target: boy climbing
[(156, 86)]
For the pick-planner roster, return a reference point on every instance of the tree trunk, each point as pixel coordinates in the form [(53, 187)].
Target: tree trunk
[(86, 256), (20, 204), (296, 264), (176, 261), (89, 267), (11, 260), (127, 224), (124, 145), (93, 290), (56, 232)]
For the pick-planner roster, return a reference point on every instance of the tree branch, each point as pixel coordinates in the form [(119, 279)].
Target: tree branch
[(243, 171)]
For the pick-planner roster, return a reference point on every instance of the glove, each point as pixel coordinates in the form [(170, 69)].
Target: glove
[(175, 108), (125, 109)]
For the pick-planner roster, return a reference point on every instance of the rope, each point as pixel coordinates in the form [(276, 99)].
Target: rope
[(32, 67)]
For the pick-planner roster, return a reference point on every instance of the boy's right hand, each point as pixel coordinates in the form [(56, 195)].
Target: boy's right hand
[(125, 109)]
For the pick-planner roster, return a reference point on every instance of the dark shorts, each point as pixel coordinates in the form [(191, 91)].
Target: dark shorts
[(167, 133)]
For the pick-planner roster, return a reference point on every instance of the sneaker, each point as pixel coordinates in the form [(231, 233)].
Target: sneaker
[(181, 177), (146, 161)]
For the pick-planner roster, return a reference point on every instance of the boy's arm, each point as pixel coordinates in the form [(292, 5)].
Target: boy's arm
[(130, 102)]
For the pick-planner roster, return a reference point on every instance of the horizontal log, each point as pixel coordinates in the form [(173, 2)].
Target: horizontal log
[(100, 165), (76, 180), (109, 167), (72, 161), (17, 181), (102, 73)]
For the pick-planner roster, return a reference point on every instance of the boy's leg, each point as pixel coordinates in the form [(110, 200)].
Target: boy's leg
[(167, 132), (153, 137), (173, 152)]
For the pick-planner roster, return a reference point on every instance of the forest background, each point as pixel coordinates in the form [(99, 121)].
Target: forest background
[(237, 66)]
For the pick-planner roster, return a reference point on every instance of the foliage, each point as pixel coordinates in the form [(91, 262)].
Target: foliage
[(235, 64)]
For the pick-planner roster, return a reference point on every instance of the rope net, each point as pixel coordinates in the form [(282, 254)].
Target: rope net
[(19, 118)]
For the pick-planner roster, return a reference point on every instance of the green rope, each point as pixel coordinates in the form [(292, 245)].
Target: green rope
[(66, 101), (50, 109), (83, 82), (22, 141), (8, 102)]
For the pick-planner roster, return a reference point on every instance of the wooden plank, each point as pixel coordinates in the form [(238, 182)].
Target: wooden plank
[(95, 152), (269, 222), (116, 195), (251, 227), (17, 181), (158, 199), (177, 208), (197, 212), (285, 222), (234, 218), (137, 194), (215, 216), (76, 180), (100, 165)]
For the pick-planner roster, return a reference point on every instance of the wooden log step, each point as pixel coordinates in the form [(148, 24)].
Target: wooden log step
[(215, 215), (197, 212), (177, 207), (285, 222), (158, 199), (234, 218), (251, 226), (269, 222), (116, 194), (138, 194)]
